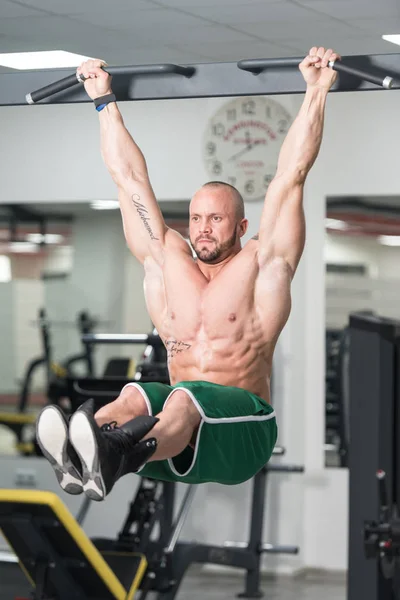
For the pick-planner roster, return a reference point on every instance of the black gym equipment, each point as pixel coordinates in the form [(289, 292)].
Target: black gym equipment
[(165, 81), (21, 422), (62, 563), (374, 458), (152, 367), (56, 371), (336, 393)]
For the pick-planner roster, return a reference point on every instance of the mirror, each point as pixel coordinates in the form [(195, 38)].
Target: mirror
[(362, 254), (65, 270)]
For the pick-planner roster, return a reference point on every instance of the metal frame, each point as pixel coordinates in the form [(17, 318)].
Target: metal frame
[(374, 430), (177, 556), (156, 82)]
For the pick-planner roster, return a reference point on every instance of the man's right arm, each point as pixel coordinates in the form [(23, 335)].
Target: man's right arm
[(145, 230), (144, 226)]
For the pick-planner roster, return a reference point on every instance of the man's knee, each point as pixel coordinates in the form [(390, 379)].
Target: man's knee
[(181, 399), (132, 397), (130, 403)]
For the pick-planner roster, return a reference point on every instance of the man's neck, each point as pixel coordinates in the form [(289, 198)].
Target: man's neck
[(210, 271)]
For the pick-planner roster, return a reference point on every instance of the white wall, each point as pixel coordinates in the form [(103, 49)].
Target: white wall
[(359, 156), (59, 260), (389, 262), (378, 289)]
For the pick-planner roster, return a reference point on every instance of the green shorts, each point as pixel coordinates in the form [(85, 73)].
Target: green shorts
[(235, 439)]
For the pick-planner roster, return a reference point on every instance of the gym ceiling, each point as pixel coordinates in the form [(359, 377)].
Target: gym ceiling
[(125, 32)]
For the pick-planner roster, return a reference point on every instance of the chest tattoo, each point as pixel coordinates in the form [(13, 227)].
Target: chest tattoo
[(175, 347)]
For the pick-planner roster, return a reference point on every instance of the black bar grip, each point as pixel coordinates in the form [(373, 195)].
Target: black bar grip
[(53, 88), (257, 65), (385, 82), (72, 80), (163, 69)]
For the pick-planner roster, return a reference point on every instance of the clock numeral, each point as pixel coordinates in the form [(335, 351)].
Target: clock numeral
[(283, 125), (217, 167), (268, 112), (218, 129), (249, 107), (231, 114), (249, 187), (267, 180), (232, 180), (211, 148)]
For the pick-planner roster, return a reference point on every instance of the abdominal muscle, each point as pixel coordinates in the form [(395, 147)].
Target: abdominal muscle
[(214, 331), (223, 361)]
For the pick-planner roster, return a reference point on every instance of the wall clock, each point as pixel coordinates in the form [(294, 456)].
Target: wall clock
[(242, 142)]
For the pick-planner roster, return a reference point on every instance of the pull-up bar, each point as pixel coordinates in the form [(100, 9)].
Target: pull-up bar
[(207, 80), (255, 66)]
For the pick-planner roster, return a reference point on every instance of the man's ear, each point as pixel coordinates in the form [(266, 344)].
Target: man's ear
[(243, 225)]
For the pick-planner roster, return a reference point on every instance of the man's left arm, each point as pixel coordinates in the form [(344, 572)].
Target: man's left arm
[(282, 227)]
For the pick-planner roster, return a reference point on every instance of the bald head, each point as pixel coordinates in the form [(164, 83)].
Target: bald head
[(234, 193)]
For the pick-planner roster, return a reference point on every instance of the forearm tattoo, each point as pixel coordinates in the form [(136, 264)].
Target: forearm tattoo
[(255, 237), (175, 347), (142, 212)]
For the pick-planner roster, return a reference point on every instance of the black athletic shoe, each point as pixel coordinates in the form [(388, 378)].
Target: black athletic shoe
[(52, 437), (109, 452)]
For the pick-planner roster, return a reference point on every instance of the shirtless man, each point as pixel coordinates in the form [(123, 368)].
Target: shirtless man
[(219, 316)]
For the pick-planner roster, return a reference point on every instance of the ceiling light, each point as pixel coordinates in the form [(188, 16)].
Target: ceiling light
[(104, 205), (54, 59), (394, 39), (389, 240), (47, 238), (336, 224)]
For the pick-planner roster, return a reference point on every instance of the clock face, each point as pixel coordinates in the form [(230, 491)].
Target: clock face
[(242, 142)]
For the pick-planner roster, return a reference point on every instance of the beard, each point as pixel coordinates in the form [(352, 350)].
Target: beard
[(213, 255)]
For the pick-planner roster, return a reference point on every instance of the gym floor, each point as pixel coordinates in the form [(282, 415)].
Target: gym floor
[(206, 586)]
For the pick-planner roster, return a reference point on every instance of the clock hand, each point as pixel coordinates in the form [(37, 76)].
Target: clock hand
[(244, 150)]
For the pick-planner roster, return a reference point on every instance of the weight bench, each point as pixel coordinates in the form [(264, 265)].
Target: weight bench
[(57, 557)]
